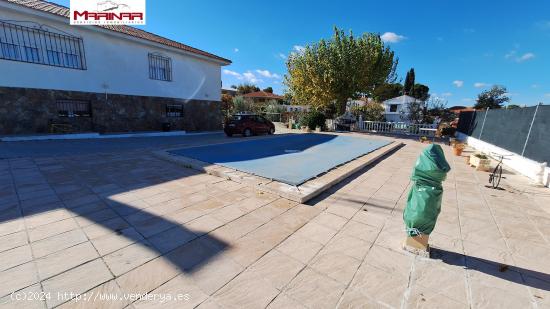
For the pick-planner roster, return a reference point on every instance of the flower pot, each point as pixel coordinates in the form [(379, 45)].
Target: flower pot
[(479, 163)]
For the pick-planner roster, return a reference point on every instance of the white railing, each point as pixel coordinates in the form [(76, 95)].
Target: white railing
[(396, 128)]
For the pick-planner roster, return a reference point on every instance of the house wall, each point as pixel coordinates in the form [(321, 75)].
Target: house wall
[(28, 110), (116, 64)]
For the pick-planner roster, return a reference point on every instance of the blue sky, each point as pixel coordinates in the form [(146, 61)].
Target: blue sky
[(457, 48)]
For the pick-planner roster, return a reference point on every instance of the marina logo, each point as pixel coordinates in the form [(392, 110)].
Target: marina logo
[(107, 12)]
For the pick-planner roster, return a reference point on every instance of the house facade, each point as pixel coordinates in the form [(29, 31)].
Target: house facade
[(99, 78), (397, 109), (263, 97)]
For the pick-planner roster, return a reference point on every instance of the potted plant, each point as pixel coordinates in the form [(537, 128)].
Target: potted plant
[(424, 139), (480, 161), (458, 148)]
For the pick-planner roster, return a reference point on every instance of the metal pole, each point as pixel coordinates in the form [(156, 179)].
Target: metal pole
[(483, 125), (529, 132)]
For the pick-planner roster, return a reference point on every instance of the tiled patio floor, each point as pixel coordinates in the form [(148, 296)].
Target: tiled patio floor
[(115, 226)]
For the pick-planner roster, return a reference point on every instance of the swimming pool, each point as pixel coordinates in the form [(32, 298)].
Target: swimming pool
[(292, 159)]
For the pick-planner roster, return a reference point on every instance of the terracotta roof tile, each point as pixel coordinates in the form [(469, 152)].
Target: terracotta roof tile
[(60, 10), (263, 94)]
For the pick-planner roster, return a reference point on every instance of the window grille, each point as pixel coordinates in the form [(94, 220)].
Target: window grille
[(174, 110), (160, 68), (33, 45), (74, 108)]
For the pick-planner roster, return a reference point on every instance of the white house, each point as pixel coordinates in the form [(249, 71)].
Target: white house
[(397, 109), (99, 78)]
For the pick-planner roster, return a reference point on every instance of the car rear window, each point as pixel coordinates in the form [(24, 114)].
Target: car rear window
[(237, 117)]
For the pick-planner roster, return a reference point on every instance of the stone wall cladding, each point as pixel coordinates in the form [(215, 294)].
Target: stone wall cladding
[(29, 111)]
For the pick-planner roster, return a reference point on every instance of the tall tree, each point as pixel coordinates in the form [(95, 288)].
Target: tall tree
[(268, 89), (332, 71), (421, 92), (246, 88), (408, 86), (493, 98), (387, 91)]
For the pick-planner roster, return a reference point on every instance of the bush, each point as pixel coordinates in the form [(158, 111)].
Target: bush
[(370, 112), (313, 119)]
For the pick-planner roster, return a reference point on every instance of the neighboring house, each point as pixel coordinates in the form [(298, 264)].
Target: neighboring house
[(457, 109), (396, 109), (99, 78), (232, 92), (263, 97), (351, 104)]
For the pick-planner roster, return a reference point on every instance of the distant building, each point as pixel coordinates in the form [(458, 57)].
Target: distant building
[(232, 92), (296, 108), (457, 109), (263, 97), (397, 109)]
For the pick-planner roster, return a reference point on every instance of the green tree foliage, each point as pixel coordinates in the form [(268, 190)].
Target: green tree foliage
[(387, 91), (241, 105), (512, 106), (493, 98), (268, 89), (408, 86), (313, 119), (437, 107), (370, 112), (227, 104), (421, 92), (246, 88), (414, 112), (332, 71)]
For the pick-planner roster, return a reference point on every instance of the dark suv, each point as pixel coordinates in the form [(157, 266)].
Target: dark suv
[(248, 125)]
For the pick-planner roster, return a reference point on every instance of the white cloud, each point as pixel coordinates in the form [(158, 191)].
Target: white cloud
[(469, 30), (480, 85), (467, 100), (534, 86), (246, 76), (510, 54), (236, 50), (266, 73), (299, 48), (251, 78), (232, 73), (525, 57), (446, 94), (392, 37), (282, 56), (547, 95), (458, 83)]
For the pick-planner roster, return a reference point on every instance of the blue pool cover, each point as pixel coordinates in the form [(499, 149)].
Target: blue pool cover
[(292, 159)]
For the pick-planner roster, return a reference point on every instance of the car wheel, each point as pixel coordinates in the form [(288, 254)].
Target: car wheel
[(271, 131), (247, 132)]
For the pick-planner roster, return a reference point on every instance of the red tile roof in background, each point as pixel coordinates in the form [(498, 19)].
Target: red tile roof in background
[(263, 95), (60, 10)]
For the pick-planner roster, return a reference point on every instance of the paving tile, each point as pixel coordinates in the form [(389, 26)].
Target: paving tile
[(348, 245), (157, 272), (58, 242), (47, 217), (214, 273), (246, 291), (276, 268), (204, 224), (316, 232), (109, 297), (17, 277), (179, 292), (299, 248), (315, 290), (52, 229), (13, 240), (105, 227), (282, 302), (77, 280), (335, 265), (354, 298), (115, 241), (330, 220), (15, 256), (385, 288), (21, 300), (362, 231), (130, 257), (171, 239), (12, 226), (422, 297), (61, 261)]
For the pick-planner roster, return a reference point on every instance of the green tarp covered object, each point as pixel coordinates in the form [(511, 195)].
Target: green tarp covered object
[(424, 200)]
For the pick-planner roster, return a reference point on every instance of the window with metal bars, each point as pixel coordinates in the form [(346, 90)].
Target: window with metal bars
[(174, 110), (160, 68), (36, 45), (74, 108)]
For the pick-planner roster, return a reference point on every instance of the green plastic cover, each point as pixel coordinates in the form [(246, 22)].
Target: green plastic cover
[(424, 200)]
